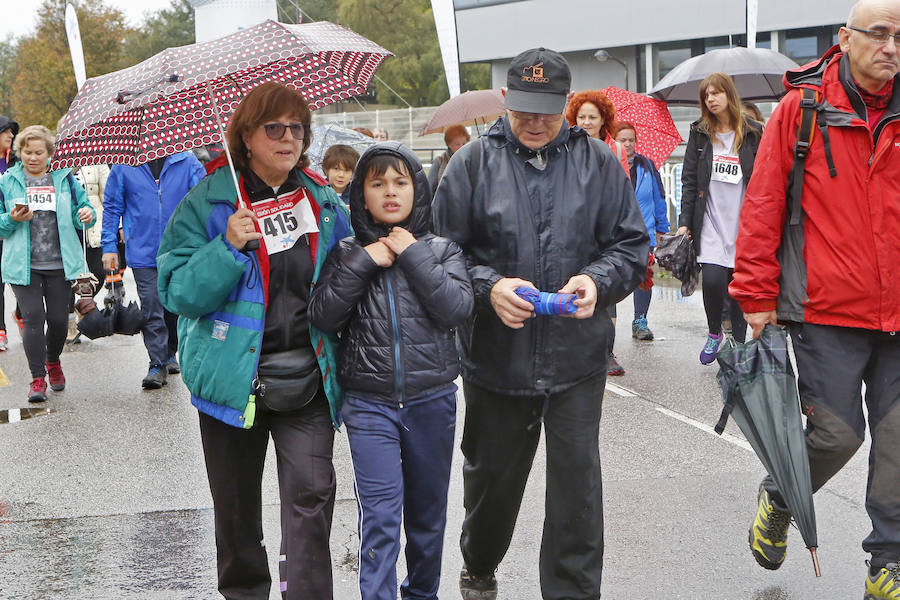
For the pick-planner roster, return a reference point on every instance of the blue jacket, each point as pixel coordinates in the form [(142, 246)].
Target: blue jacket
[(651, 196), (145, 206), (16, 263)]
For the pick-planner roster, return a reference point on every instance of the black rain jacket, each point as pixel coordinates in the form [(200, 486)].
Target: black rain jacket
[(396, 324), (576, 216), (697, 173)]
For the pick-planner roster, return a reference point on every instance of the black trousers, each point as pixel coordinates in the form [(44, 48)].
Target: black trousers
[(44, 300), (500, 437), (307, 484), (715, 290), (832, 365)]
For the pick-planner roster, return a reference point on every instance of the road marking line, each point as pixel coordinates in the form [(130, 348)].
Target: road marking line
[(15, 415), (728, 437)]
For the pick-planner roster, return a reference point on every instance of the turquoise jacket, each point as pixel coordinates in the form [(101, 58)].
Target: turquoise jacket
[(16, 264), (219, 295)]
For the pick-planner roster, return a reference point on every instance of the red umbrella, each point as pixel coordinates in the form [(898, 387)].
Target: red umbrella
[(469, 108), (172, 101), (657, 135)]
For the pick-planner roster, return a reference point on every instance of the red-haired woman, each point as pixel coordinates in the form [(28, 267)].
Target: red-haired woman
[(718, 163), (593, 111)]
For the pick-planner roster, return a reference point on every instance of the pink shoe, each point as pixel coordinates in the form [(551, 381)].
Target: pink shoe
[(38, 391), (55, 374)]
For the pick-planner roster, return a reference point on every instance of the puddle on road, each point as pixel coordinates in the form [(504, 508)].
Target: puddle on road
[(14, 415)]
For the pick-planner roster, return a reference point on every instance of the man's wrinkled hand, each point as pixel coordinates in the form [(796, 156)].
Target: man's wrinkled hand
[(586, 290), (511, 309), (758, 321)]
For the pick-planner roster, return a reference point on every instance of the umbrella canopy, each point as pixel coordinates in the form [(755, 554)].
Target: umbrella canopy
[(757, 74), (326, 136), (656, 133), (469, 108), (168, 103), (759, 390)]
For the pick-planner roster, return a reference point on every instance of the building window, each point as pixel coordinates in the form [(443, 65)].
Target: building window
[(672, 54), (808, 44), (640, 63)]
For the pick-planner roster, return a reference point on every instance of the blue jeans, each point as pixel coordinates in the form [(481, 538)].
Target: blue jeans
[(401, 463), (159, 333)]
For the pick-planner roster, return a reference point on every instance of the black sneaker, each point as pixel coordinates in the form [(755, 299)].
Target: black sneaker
[(172, 366), (155, 379), (477, 587)]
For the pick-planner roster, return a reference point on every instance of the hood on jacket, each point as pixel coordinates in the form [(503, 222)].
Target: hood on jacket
[(7, 123), (810, 73), (419, 221)]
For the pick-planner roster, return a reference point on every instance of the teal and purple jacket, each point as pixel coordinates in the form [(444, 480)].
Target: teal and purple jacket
[(219, 294)]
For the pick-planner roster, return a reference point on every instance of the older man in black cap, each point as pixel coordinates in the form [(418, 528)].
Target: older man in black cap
[(536, 203)]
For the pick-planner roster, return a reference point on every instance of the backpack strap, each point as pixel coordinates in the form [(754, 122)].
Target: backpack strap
[(475, 163), (810, 107)]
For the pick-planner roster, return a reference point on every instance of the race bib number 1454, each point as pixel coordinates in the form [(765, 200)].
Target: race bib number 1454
[(41, 198)]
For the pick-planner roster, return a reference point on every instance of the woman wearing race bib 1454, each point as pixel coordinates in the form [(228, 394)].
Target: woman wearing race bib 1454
[(718, 163), (40, 212)]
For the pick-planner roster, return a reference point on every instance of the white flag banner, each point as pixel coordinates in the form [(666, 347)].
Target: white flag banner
[(752, 14), (445, 23), (75, 49)]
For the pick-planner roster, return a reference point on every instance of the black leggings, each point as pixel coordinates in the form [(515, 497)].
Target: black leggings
[(715, 289), (48, 287)]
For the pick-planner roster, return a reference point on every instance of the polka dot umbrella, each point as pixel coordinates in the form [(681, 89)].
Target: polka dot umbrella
[(183, 97), (656, 133)]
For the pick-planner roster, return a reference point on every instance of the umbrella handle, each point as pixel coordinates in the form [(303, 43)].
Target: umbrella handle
[(815, 559), (215, 105)]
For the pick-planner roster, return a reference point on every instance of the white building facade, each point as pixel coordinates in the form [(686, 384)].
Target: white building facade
[(649, 36)]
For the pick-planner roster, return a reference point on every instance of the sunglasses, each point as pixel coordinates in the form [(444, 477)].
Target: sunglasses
[(275, 131)]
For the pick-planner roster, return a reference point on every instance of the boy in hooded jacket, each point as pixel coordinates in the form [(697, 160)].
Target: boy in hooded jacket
[(395, 291)]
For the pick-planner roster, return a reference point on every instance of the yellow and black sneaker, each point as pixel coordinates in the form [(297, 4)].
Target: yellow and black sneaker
[(883, 583), (768, 534)]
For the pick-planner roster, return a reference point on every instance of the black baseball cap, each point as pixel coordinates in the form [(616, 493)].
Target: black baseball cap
[(538, 81), (7, 123)]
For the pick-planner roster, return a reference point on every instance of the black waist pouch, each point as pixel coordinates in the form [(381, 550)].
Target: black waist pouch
[(287, 381)]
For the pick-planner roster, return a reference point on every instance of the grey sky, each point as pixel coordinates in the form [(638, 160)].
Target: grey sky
[(20, 16)]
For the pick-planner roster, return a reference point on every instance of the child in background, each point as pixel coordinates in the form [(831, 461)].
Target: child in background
[(338, 164), (395, 291)]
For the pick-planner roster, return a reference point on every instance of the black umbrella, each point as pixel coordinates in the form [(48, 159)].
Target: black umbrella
[(676, 254), (757, 75), (98, 323), (759, 390), (129, 319)]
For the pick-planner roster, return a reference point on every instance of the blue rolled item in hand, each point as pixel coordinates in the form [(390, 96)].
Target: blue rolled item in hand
[(546, 303)]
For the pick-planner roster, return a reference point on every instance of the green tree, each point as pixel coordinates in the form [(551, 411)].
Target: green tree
[(406, 28), (8, 52), (167, 28), (43, 79), (474, 76)]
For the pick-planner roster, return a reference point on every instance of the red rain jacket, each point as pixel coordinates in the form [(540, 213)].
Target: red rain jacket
[(840, 266)]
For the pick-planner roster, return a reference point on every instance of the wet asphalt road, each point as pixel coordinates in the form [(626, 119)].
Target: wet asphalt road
[(107, 496)]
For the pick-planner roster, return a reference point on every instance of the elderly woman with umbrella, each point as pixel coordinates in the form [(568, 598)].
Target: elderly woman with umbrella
[(40, 211), (254, 365), (594, 112)]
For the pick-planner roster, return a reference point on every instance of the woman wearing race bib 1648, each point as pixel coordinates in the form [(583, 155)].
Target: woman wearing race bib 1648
[(40, 212), (718, 163)]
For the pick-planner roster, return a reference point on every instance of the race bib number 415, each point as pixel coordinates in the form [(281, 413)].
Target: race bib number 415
[(284, 220), (41, 198), (726, 169)]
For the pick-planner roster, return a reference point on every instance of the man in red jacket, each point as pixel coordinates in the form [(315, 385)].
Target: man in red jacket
[(824, 266)]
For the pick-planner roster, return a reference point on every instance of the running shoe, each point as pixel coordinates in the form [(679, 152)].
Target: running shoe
[(56, 377), (708, 354), (155, 379), (477, 587), (768, 534), (172, 366), (883, 583), (38, 390), (4, 341), (72, 331), (639, 329), (613, 367)]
